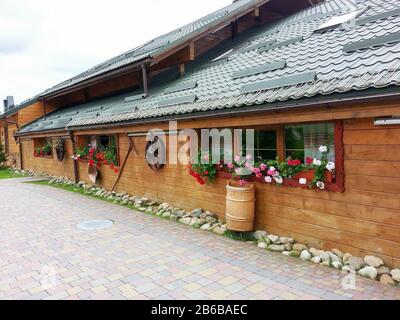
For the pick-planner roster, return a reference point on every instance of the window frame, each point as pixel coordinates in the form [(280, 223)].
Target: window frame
[(81, 140), (337, 185), (47, 140)]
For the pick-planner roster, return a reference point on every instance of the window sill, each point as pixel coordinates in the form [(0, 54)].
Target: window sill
[(330, 184), (44, 157)]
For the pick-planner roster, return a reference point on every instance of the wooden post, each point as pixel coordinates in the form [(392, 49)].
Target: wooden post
[(21, 163), (6, 144), (145, 80), (76, 172), (280, 143), (182, 69)]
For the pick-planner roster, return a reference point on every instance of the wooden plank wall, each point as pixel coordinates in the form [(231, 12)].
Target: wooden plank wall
[(49, 165), (365, 219)]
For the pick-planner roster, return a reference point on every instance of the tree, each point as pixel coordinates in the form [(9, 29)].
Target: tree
[(3, 157)]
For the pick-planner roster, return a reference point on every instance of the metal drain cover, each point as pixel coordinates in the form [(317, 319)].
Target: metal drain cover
[(95, 224)]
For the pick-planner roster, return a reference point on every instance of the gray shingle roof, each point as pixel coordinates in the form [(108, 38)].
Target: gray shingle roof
[(322, 54)]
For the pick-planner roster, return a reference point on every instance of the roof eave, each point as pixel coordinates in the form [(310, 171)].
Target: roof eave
[(318, 101)]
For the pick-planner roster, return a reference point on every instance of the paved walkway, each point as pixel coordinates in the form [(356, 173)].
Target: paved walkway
[(44, 256)]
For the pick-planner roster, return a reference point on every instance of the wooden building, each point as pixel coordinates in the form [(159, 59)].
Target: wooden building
[(302, 75)]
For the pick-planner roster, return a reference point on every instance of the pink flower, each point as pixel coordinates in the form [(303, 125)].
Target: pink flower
[(242, 183), (237, 171), (206, 157), (247, 165), (271, 172), (237, 158), (259, 175), (268, 179), (230, 165), (249, 157), (263, 167), (256, 170)]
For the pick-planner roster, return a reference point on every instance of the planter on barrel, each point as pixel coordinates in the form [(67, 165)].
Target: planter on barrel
[(240, 207)]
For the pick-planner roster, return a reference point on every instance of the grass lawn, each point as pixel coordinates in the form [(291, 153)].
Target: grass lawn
[(7, 174)]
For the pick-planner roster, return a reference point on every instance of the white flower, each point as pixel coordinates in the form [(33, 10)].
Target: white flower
[(268, 179), (317, 162), (321, 185), (303, 181), (278, 179), (330, 166), (323, 149), (272, 169)]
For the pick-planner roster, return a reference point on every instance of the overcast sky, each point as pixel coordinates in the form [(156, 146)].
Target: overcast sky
[(44, 42)]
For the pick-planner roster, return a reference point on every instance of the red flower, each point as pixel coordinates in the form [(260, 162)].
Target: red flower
[(205, 173), (91, 163), (116, 170), (294, 162), (112, 166), (105, 162), (309, 160)]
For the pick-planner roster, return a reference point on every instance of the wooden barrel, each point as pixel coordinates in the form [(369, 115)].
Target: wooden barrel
[(240, 207)]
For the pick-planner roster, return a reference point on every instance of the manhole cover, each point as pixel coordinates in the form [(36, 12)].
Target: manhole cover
[(95, 224)]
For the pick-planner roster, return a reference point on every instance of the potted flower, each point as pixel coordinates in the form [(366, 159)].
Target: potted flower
[(203, 169), (96, 158), (317, 172)]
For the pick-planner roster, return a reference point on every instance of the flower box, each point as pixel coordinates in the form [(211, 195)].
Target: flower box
[(309, 175)]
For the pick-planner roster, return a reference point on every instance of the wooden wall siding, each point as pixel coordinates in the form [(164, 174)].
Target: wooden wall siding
[(33, 112), (365, 219), (48, 165)]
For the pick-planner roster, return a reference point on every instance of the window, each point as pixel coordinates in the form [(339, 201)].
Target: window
[(264, 144), (43, 147), (303, 141), (104, 144)]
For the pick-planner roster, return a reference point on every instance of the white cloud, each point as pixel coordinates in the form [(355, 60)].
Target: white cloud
[(44, 42)]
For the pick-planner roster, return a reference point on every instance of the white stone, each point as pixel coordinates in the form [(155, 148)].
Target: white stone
[(337, 252), (314, 252), (316, 259), (286, 240), (348, 269), (337, 265), (299, 247), (346, 257), (259, 234), (373, 261), (205, 226), (386, 279), (395, 274), (286, 253), (273, 238), (305, 255), (368, 272), (262, 245)]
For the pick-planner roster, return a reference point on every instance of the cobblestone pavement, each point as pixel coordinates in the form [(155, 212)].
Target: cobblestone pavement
[(44, 256)]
